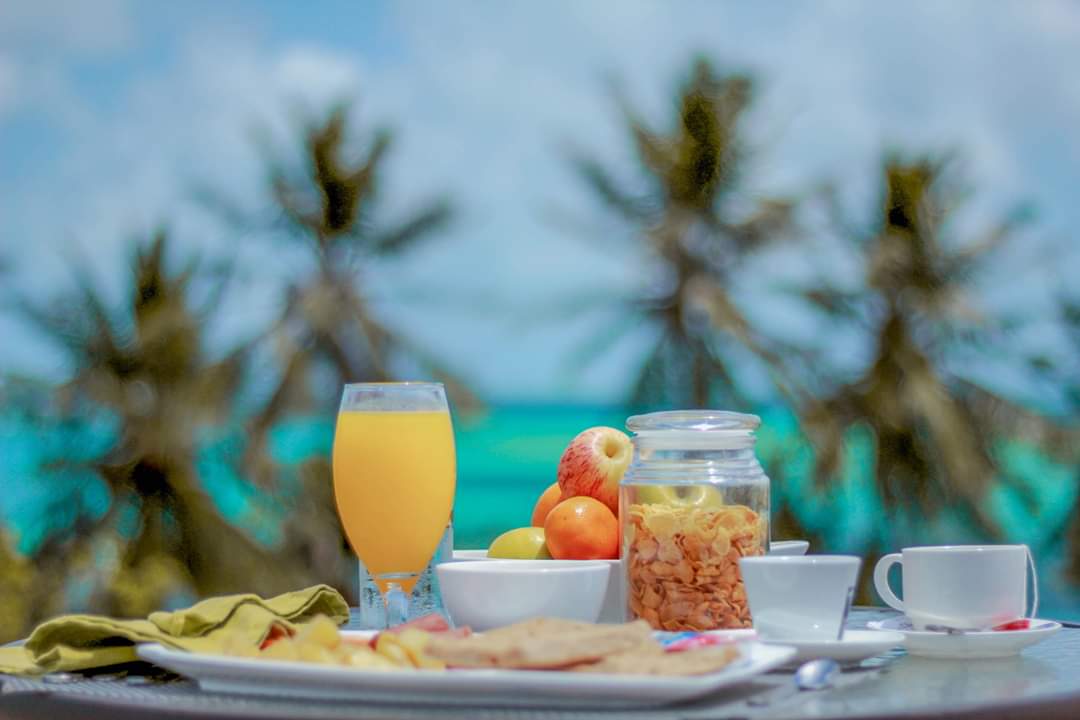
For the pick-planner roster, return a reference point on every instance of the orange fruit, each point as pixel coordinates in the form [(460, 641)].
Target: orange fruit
[(582, 528), (548, 499)]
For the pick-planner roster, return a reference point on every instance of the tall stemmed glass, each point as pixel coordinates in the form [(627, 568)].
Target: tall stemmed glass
[(394, 477)]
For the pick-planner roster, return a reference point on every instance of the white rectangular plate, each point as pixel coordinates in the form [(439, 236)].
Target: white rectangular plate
[(519, 688)]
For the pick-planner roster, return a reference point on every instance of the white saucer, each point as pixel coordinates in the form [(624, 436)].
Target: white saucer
[(856, 645), (788, 547), (989, 644)]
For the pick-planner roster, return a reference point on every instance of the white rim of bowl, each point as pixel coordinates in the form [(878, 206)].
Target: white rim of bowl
[(523, 566), (800, 559)]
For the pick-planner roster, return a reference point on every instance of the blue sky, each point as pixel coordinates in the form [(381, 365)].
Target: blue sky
[(112, 111)]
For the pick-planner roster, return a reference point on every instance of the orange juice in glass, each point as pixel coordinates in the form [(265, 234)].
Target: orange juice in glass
[(394, 477)]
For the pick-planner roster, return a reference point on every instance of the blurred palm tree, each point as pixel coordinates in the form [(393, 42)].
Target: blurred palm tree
[(695, 218), (1070, 310), (1070, 313), (1066, 375), (146, 368), (933, 428), (329, 331), (328, 320)]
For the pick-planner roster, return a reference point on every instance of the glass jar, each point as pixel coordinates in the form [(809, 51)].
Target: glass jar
[(693, 501)]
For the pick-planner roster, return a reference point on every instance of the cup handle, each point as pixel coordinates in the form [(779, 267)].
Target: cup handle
[(881, 580), (1034, 583)]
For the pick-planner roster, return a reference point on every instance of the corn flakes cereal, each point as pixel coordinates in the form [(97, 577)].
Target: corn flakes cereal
[(682, 564)]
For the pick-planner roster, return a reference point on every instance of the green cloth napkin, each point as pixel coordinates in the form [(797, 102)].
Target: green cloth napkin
[(81, 642)]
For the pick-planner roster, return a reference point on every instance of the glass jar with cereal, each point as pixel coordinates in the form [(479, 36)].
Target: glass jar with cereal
[(694, 500)]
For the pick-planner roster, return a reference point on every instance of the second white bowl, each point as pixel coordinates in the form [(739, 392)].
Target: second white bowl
[(487, 594)]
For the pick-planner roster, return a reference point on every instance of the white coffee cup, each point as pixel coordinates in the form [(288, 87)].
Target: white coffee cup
[(971, 587), (800, 598)]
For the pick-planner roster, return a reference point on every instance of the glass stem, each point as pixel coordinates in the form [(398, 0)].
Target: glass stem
[(397, 605)]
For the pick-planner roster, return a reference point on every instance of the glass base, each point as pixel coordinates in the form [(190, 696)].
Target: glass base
[(425, 598)]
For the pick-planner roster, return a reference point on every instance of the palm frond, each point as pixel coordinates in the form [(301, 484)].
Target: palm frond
[(398, 239), (962, 262), (825, 421), (654, 151), (1070, 313), (709, 151), (650, 385), (343, 190), (293, 208), (217, 204), (603, 340), (837, 303), (715, 376), (772, 219), (218, 384), (363, 179), (460, 394), (606, 188), (839, 222), (219, 276), (55, 323)]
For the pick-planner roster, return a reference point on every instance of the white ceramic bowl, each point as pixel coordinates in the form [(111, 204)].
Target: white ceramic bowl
[(613, 609), (486, 594)]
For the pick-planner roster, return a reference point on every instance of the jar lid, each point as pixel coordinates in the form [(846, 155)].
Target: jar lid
[(693, 420), (695, 428)]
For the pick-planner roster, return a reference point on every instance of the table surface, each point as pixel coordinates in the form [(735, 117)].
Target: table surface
[(1042, 683)]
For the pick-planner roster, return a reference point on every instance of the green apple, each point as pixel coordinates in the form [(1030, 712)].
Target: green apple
[(525, 543)]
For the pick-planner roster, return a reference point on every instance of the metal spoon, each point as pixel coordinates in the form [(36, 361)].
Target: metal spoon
[(949, 630), (814, 675)]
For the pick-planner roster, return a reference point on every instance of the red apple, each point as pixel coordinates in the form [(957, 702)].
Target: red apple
[(593, 464)]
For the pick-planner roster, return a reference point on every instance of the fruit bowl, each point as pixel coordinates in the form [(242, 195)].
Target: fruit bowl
[(614, 608), (486, 594)]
